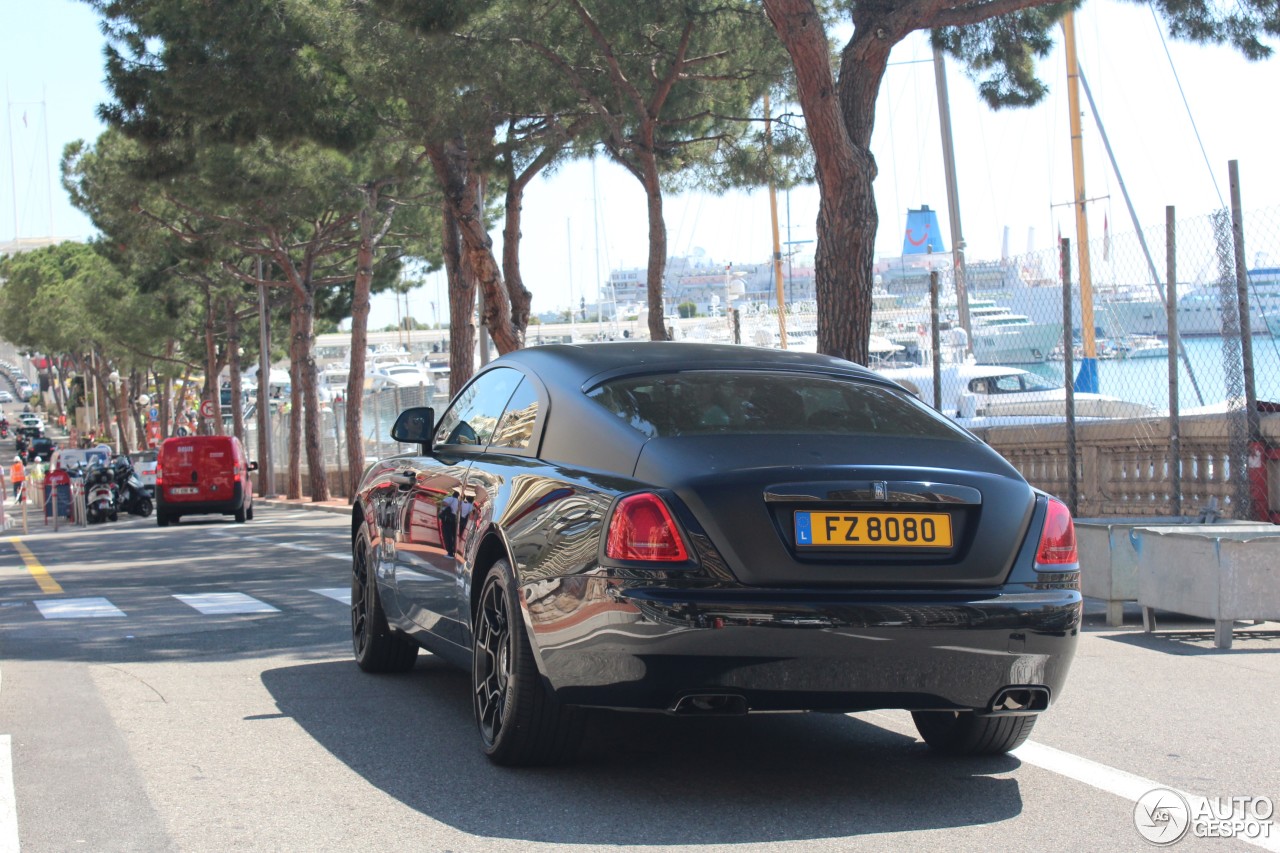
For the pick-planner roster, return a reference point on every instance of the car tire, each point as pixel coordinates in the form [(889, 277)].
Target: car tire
[(240, 515), (965, 733), (162, 519), (520, 722), (248, 513), (376, 646)]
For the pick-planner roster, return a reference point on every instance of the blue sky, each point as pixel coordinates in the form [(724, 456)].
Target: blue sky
[(1013, 166)]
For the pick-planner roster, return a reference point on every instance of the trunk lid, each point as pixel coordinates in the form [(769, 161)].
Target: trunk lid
[(842, 511)]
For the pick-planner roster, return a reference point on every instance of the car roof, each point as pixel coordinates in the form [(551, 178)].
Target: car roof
[(589, 364)]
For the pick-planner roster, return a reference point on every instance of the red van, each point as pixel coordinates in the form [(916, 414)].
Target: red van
[(199, 474)]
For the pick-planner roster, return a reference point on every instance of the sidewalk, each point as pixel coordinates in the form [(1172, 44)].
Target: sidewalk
[(340, 506)]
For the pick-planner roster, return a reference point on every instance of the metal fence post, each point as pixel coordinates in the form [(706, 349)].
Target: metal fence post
[(1068, 362), (1171, 309)]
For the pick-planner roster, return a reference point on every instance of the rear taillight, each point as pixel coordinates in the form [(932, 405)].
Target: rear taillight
[(159, 476), (642, 529), (235, 474), (1057, 537)]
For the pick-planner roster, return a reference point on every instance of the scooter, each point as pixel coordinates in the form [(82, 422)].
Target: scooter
[(100, 494), (131, 495)]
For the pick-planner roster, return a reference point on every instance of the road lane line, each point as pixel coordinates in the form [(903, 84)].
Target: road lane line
[(78, 608), (1119, 782), (48, 585), (337, 593), (224, 603), (8, 802)]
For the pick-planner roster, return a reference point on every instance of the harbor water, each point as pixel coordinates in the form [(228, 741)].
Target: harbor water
[(1146, 380)]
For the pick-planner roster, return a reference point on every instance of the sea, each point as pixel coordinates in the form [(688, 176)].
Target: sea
[(1201, 376)]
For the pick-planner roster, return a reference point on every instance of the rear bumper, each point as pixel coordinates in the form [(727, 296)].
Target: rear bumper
[(646, 648), (226, 506)]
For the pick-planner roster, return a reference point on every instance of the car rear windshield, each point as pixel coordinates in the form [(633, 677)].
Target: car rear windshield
[(714, 402)]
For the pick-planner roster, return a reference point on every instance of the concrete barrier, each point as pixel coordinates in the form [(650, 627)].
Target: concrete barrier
[(1109, 559), (1212, 571)]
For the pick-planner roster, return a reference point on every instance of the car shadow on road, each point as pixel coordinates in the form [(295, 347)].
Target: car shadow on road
[(1195, 640), (640, 779)]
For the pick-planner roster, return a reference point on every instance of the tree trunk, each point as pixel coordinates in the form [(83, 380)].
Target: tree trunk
[(462, 192), (839, 121), (211, 425), (294, 488), (319, 480), (657, 251), (122, 415), (359, 343), (462, 304), (233, 362), (265, 456), (521, 298)]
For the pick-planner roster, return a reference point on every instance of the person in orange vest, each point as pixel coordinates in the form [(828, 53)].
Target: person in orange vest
[(17, 475)]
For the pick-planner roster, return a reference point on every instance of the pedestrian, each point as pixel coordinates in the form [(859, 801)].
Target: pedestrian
[(448, 518), (58, 490), (17, 476), (464, 513)]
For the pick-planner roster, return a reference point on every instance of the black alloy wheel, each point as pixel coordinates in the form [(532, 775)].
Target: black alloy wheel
[(965, 733), (376, 646), (521, 724)]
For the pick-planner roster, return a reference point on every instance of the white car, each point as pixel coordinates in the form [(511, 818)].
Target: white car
[(31, 419), (144, 463), (6, 397)]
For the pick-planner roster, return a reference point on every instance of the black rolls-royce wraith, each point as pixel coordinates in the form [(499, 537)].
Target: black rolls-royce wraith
[(703, 529)]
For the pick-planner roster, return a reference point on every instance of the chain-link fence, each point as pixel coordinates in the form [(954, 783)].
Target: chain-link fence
[(380, 410)]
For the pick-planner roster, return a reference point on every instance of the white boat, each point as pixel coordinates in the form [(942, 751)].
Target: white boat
[(408, 375), (1141, 346), (1000, 336), (970, 390)]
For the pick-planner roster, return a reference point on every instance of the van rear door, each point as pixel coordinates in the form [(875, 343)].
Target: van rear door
[(198, 470)]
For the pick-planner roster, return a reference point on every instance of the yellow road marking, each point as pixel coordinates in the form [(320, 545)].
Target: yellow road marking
[(47, 583)]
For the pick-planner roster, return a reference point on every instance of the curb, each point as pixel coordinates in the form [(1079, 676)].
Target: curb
[(333, 507)]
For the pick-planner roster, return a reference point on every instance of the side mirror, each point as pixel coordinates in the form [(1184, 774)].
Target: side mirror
[(253, 466), (415, 426)]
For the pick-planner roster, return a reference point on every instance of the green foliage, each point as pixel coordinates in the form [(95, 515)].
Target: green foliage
[(687, 310)]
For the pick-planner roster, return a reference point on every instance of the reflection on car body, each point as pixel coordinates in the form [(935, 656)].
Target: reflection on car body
[(699, 529)]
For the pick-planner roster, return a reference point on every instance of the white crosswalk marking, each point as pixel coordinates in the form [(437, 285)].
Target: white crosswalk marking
[(222, 603), (78, 608), (337, 593)]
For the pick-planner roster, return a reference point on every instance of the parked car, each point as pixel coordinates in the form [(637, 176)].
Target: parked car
[(203, 474), (6, 397), (144, 465), (709, 530)]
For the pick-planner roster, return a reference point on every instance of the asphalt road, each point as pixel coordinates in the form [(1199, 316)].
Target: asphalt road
[(131, 719)]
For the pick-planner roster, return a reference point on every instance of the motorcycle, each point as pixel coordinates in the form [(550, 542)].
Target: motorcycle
[(4, 429), (131, 496), (100, 494)]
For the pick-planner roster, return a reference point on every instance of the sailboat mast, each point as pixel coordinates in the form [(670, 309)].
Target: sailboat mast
[(1087, 379), (953, 191), (773, 218)]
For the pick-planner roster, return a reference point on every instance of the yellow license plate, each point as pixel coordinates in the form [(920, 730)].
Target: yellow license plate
[(873, 529)]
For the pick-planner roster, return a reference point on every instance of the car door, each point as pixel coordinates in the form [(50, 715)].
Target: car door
[(428, 572)]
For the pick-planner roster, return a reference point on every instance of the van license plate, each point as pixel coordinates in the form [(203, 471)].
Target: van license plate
[(873, 529), (184, 490)]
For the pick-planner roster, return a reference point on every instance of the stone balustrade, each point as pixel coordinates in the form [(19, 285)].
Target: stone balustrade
[(1123, 465)]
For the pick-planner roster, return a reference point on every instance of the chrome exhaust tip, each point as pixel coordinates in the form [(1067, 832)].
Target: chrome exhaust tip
[(1018, 700), (710, 705)]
